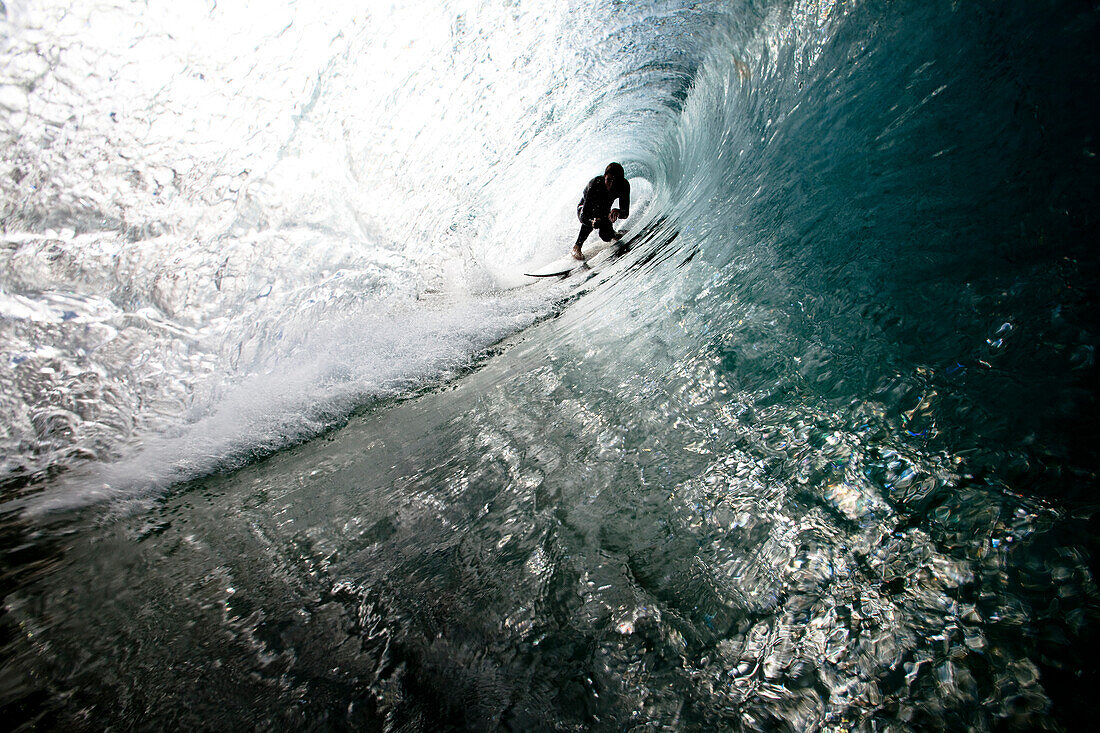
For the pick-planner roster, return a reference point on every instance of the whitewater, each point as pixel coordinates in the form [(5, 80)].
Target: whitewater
[(288, 440)]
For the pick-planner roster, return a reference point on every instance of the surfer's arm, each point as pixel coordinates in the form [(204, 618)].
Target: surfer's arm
[(587, 213), (624, 201)]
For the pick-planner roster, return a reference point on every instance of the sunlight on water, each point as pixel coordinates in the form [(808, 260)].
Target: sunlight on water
[(220, 180), (290, 443)]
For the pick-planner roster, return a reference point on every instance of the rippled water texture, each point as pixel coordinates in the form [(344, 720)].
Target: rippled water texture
[(290, 443)]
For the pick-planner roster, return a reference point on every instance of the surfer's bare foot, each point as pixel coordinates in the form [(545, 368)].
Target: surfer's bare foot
[(577, 252)]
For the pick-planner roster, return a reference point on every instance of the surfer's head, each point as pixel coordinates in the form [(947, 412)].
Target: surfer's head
[(612, 173)]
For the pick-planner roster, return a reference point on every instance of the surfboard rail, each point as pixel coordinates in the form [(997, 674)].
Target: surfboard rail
[(564, 266)]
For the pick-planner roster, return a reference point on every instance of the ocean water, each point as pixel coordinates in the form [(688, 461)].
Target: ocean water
[(287, 440)]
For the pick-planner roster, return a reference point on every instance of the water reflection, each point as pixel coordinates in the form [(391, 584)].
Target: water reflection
[(527, 549)]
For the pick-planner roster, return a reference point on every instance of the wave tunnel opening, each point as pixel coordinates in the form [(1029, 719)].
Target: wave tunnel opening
[(290, 440)]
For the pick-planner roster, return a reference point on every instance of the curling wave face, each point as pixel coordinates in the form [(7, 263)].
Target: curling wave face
[(815, 454), (205, 200)]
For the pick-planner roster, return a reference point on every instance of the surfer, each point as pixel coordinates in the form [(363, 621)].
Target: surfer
[(595, 210)]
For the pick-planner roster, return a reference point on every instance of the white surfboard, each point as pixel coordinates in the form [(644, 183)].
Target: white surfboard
[(565, 265)]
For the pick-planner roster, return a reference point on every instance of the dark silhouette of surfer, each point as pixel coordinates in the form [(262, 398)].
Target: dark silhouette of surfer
[(595, 210)]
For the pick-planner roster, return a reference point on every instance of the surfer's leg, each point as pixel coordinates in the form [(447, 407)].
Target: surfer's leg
[(586, 229), (607, 232)]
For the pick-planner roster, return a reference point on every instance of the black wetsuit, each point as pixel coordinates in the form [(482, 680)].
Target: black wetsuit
[(596, 204)]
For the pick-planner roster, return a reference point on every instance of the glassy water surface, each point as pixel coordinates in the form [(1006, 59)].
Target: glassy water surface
[(289, 441)]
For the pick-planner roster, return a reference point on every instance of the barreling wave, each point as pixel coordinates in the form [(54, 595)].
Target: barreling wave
[(209, 205), (816, 453)]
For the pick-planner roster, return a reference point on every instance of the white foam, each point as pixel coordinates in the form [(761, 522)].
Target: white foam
[(225, 182), (347, 363)]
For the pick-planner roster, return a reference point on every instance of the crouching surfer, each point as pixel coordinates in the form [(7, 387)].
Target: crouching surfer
[(595, 210)]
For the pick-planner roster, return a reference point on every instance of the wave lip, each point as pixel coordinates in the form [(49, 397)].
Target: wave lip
[(172, 229)]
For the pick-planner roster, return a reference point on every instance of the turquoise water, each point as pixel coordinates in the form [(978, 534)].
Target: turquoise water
[(816, 453)]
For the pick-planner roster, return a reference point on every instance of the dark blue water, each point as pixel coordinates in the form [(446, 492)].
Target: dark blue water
[(817, 452)]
